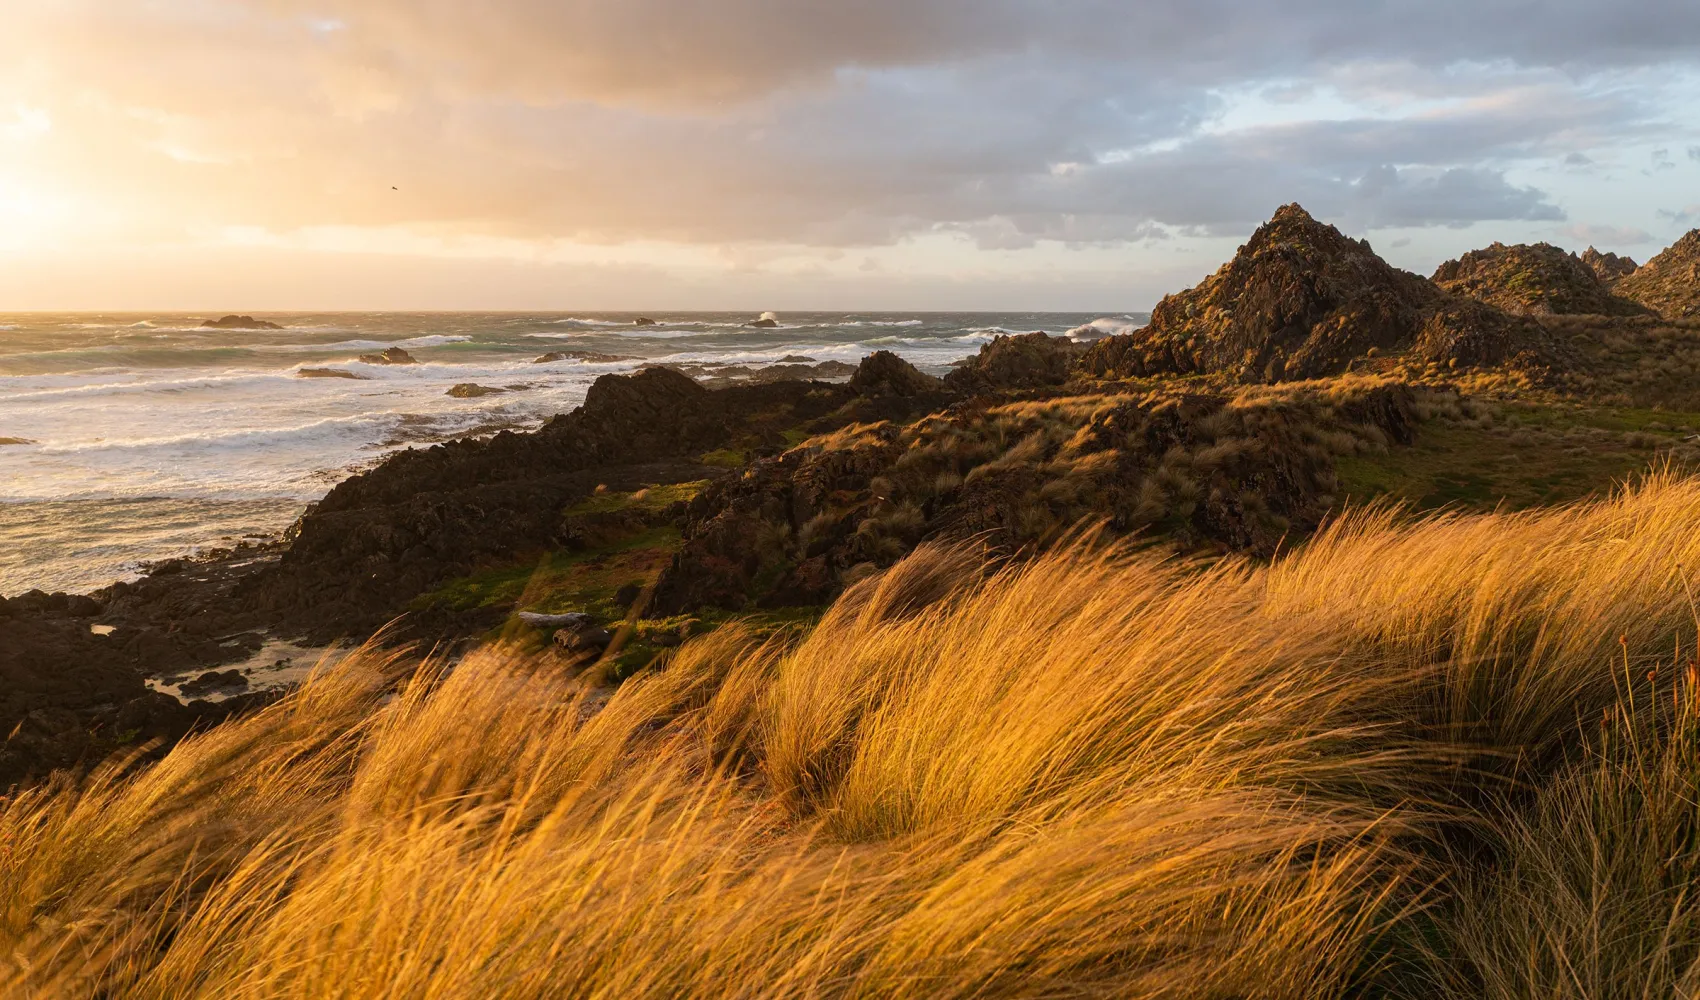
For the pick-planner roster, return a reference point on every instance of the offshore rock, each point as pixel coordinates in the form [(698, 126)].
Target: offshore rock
[(389, 356), (237, 322)]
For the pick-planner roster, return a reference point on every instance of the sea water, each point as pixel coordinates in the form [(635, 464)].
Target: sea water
[(149, 436)]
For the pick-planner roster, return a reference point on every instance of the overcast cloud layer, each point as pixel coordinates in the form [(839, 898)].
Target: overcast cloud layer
[(880, 153)]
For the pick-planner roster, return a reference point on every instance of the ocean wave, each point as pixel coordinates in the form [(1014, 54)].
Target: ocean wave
[(432, 340), (1107, 326), (97, 389)]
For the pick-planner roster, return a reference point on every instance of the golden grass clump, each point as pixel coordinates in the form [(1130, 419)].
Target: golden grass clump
[(1091, 773)]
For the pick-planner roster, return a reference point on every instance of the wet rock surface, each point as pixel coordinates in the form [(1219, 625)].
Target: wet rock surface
[(389, 356), (236, 321)]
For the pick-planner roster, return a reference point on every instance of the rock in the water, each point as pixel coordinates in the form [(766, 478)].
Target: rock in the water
[(4, 441), (1531, 280), (329, 373), (1609, 266), (765, 323), (236, 322), (1299, 300), (795, 359), (1670, 282), (389, 356), (590, 357), (472, 390), (1024, 361), (883, 373), (643, 321)]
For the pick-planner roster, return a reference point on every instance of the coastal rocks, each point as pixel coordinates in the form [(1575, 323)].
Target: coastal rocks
[(570, 620), (588, 357), (215, 682), (1465, 333), (883, 373), (1299, 300), (1531, 280), (1024, 361), (330, 373), (472, 390), (1608, 266), (1669, 283), (237, 322), (643, 321), (389, 356), (585, 637), (768, 321)]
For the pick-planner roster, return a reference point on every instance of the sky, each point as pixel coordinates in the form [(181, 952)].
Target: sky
[(1078, 155)]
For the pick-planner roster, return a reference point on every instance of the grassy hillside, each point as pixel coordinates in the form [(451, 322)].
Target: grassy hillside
[(1454, 757)]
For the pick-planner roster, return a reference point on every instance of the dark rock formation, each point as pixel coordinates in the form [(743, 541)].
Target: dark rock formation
[(1608, 266), (643, 321), (329, 373), (1669, 284), (389, 356), (1024, 361), (591, 357), (765, 323), (235, 322), (215, 681), (1531, 280), (425, 516), (1465, 333), (883, 373), (794, 529), (472, 390), (4, 441), (1300, 300)]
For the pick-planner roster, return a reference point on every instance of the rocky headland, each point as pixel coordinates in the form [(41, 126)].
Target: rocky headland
[(1245, 412)]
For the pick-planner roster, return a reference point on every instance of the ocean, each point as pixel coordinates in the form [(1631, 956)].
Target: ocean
[(127, 439)]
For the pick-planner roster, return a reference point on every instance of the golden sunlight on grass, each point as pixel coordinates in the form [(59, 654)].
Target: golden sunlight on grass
[(1454, 757)]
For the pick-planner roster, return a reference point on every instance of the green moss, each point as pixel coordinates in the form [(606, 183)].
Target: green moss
[(563, 581), (795, 436), (651, 500), (725, 458)]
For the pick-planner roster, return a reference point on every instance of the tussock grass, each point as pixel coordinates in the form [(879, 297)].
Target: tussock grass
[(1449, 757)]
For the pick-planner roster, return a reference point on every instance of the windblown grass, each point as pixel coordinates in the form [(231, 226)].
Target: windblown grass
[(1374, 767)]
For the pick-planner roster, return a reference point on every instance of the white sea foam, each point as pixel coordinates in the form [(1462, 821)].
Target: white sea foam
[(1107, 326)]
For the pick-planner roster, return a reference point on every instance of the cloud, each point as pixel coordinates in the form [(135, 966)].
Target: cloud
[(1621, 236), (1694, 153), (1683, 217), (749, 123)]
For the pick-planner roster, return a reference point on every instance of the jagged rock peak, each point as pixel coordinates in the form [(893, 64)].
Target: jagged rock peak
[(1299, 300), (1609, 266), (883, 373), (1670, 282)]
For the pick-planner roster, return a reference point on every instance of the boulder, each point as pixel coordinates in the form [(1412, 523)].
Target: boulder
[(570, 620), (1299, 300), (472, 390), (236, 322), (389, 356), (765, 323), (329, 373), (1531, 280), (214, 681), (643, 321), (1669, 283), (883, 373)]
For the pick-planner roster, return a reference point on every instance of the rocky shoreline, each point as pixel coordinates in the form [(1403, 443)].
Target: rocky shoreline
[(677, 494)]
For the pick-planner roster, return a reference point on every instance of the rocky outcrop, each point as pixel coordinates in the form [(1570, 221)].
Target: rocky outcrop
[(643, 321), (236, 322), (1669, 284), (1208, 470), (1608, 266), (472, 390), (1465, 333), (1299, 300), (1531, 280), (389, 356), (382, 538), (1017, 361), (329, 373), (765, 323), (883, 373)]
